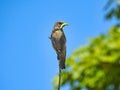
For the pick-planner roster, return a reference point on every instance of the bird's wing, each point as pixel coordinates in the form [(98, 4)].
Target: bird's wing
[(62, 40), (55, 44)]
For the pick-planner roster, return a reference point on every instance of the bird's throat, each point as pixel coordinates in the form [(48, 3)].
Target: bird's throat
[(57, 34)]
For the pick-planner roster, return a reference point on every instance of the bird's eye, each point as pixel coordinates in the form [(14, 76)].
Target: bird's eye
[(60, 23)]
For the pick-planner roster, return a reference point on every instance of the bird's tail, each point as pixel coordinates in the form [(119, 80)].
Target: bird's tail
[(61, 61), (62, 64), (61, 57)]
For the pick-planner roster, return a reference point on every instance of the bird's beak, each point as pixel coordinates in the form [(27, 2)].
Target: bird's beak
[(64, 24)]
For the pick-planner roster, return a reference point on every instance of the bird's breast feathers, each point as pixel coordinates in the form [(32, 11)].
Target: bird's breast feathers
[(57, 34)]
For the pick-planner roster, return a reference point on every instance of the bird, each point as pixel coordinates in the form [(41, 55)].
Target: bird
[(58, 40)]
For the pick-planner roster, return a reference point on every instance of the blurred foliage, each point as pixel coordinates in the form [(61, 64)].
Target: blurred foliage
[(113, 7), (96, 66)]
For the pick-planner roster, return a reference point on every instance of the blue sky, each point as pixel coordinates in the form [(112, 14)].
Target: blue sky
[(27, 59)]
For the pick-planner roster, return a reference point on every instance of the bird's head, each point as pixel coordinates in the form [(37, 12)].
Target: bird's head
[(60, 25)]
